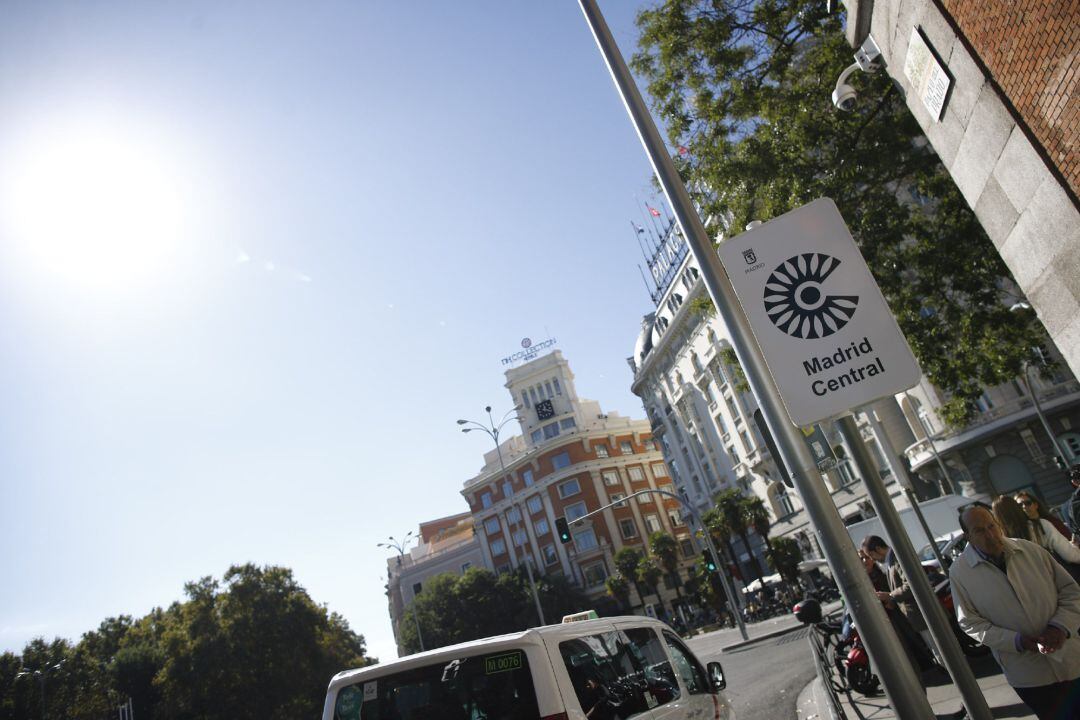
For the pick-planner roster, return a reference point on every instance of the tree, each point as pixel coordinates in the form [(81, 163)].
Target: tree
[(717, 525), (785, 555), (666, 551), (744, 86), (619, 588), (757, 515), (457, 608), (626, 562), (649, 575), (732, 506)]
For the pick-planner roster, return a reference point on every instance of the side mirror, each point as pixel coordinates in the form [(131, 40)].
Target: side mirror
[(716, 676)]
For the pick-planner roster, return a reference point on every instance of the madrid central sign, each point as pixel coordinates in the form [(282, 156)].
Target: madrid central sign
[(828, 337)]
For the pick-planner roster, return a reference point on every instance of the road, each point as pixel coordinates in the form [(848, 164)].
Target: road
[(765, 677)]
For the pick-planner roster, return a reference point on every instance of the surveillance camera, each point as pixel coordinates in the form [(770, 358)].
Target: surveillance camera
[(843, 97)]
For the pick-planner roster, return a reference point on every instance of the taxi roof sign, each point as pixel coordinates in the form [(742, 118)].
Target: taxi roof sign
[(581, 616)]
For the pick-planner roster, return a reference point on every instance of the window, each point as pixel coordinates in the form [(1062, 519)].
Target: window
[(676, 518), (569, 488), (561, 460), (465, 566), (594, 574), (628, 528), (746, 441), (696, 362), (525, 398), (626, 448), (471, 692), (616, 497), (508, 489), (550, 556), (720, 424), (731, 407), (617, 670), (532, 394), (659, 471), (527, 477), (687, 547), (551, 430), (541, 526), (520, 536), (652, 523), (498, 547), (585, 540), (416, 588), (649, 445), (783, 501), (550, 392), (636, 473), (535, 504), (491, 526), (573, 512), (650, 655), (600, 450), (513, 516), (706, 389), (611, 478), (687, 666), (567, 424), (485, 500), (537, 435)]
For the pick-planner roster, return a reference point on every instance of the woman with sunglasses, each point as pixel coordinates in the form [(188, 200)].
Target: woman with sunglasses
[(1035, 511), (1015, 523)]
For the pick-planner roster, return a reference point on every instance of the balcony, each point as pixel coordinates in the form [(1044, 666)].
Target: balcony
[(992, 421)]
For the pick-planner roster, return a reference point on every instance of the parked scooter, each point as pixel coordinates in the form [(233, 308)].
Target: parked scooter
[(841, 642)]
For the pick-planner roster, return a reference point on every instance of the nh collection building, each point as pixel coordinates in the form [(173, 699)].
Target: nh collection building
[(571, 459)]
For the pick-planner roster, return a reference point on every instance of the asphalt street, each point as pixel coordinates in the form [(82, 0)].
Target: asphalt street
[(766, 676)]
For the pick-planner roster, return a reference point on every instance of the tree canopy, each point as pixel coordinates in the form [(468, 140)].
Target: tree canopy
[(744, 87), (254, 645)]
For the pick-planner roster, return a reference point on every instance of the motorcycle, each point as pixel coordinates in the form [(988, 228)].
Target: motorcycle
[(841, 644)]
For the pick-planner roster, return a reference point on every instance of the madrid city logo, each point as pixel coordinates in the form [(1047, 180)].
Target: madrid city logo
[(796, 300)]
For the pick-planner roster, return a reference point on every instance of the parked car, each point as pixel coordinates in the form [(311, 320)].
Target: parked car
[(603, 669), (949, 545)]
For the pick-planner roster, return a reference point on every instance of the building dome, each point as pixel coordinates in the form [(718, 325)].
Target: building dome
[(645, 338)]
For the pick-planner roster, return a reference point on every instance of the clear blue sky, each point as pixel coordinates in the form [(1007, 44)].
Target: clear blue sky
[(255, 260)]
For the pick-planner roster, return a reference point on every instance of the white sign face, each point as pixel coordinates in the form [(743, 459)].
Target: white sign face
[(928, 79), (828, 337)]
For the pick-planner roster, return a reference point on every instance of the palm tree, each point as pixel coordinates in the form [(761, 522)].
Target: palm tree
[(626, 562), (721, 534), (785, 556), (732, 505), (619, 588), (649, 574), (758, 516), (666, 550)]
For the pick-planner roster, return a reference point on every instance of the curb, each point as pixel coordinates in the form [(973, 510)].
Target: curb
[(760, 638)]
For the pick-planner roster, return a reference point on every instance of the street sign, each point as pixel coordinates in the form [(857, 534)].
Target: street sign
[(819, 446), (828, 337)]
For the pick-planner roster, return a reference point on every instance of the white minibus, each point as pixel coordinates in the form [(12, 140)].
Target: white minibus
[(605, 669)]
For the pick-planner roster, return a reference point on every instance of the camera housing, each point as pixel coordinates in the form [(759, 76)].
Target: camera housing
[(844, 95)]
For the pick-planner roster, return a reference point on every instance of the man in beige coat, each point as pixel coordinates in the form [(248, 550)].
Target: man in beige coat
[(1013, 597)]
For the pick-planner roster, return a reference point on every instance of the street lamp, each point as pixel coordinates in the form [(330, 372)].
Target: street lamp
[(492, 430), (399, 547), (922, 415), (1059, 456), (40, 676)]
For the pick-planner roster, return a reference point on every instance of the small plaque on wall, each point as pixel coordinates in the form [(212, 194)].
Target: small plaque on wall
[(926, 74)]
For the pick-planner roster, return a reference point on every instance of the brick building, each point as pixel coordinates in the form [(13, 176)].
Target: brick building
[(570, 459)]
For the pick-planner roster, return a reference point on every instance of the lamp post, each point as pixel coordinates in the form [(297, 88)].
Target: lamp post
[(921, 414), (1059, 456), (399, 547), (40, 676), (492, 430)]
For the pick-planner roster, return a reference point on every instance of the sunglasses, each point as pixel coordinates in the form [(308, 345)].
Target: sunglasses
[(1026, 503)]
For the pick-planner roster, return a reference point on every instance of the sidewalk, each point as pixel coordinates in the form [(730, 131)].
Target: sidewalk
[(943, 695)]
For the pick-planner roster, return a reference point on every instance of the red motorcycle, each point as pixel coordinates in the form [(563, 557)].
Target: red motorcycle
[(840, 643)]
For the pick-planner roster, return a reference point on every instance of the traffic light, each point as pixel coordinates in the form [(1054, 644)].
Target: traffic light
[(710, 562), (563, 530)]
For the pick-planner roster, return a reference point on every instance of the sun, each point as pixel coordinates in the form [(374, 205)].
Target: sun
[(94, 208)]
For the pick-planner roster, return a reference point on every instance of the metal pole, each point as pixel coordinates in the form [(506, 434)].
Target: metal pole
[(416, 620), (1059, 455), (902, 686), (900, 473), (925, 598), (728, 590), (933, 449)]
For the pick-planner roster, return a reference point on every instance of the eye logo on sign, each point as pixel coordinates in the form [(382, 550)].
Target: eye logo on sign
[(796, 302)]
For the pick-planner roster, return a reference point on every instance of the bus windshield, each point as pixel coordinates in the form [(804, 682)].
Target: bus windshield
[(478, 687)]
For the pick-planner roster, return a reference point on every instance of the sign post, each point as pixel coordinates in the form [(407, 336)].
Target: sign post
[(828, 337), (904, 690)]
